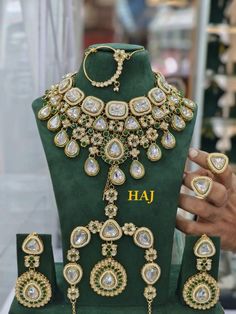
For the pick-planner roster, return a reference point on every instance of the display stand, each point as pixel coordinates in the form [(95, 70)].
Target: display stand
[(79, 200)]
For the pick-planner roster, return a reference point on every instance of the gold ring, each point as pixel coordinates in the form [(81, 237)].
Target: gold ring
[(201, 186), (217, 162)]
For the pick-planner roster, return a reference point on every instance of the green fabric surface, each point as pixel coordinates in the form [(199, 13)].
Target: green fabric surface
[(79, 197), (60, 307)]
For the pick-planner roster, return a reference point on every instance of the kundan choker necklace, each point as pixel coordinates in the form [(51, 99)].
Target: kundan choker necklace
[(114, 132)]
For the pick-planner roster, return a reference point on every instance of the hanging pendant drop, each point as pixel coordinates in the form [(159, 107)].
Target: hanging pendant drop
[(117, 176), (137, 169), (91, 167), (72, 149), (168, 140), (61, 138), (154, 152), (54, 123), (44, 112)]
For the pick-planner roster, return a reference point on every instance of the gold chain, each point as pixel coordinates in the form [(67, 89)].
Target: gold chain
[(120, 55), (73, 307), (149, 307)]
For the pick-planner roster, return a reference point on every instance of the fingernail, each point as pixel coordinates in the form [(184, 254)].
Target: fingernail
[(193, 153)]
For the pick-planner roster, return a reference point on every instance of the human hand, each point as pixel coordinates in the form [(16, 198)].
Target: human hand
[(216, 214)]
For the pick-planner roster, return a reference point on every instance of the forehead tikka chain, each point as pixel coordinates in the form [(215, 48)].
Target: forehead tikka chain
[(119, 55)]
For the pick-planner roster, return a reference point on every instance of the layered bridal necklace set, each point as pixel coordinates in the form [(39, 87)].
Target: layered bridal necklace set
[(113, 132)]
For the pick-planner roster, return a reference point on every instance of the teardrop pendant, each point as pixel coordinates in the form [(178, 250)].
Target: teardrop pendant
[(72, 148), (91, 167), (137, 169), (44, 112), (117, 176), (54, 123), (168, 140), (61, 138), (154, 152)]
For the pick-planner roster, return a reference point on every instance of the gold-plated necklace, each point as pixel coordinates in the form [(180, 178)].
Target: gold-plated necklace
[(120, 55), (114, 131)]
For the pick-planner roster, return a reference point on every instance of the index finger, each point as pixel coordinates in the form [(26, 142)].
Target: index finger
[(200, 158)]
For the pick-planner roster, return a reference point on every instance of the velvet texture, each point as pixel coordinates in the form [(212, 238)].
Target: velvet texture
[(79, 197)]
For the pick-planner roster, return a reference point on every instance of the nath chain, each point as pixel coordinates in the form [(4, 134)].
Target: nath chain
[(120, 55)]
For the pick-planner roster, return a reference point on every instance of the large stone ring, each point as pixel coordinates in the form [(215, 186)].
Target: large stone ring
[(217, 162), (201, 186)]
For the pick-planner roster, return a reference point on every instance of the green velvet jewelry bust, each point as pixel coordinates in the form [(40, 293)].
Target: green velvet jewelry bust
[(79, 200)]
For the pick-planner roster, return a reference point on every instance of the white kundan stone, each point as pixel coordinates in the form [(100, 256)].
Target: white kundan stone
[(61, 138), (54, 123), (54, 100), (202, 294), (131, 123), (154, 152), (32, 292), (73, 113), (168, 140), (186, 113), (72, 274), (91, 167), (110, 230), (117, 110), (143, 237), (80, 237), (117, 176), (202, 185), (174, 99), (137, 170), (32, 246), (100, 124), (44, 112), (157, 113), (178, 123), (140, 106), (189, 103), (74, 95), (92, 106), (72, 148), (151, 273), (157, 96), (65, 85), (108, 280), (218, 162), (114, 149)]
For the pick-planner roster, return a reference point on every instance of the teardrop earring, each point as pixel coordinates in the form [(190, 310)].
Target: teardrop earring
[(33, 289), (201, 291)]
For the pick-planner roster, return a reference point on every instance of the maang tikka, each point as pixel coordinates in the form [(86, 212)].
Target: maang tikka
[(114, 131)]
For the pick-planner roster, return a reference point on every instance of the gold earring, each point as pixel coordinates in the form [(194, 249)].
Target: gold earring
[(201, 186), (33, 289), (217, 162), (201, 291)]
